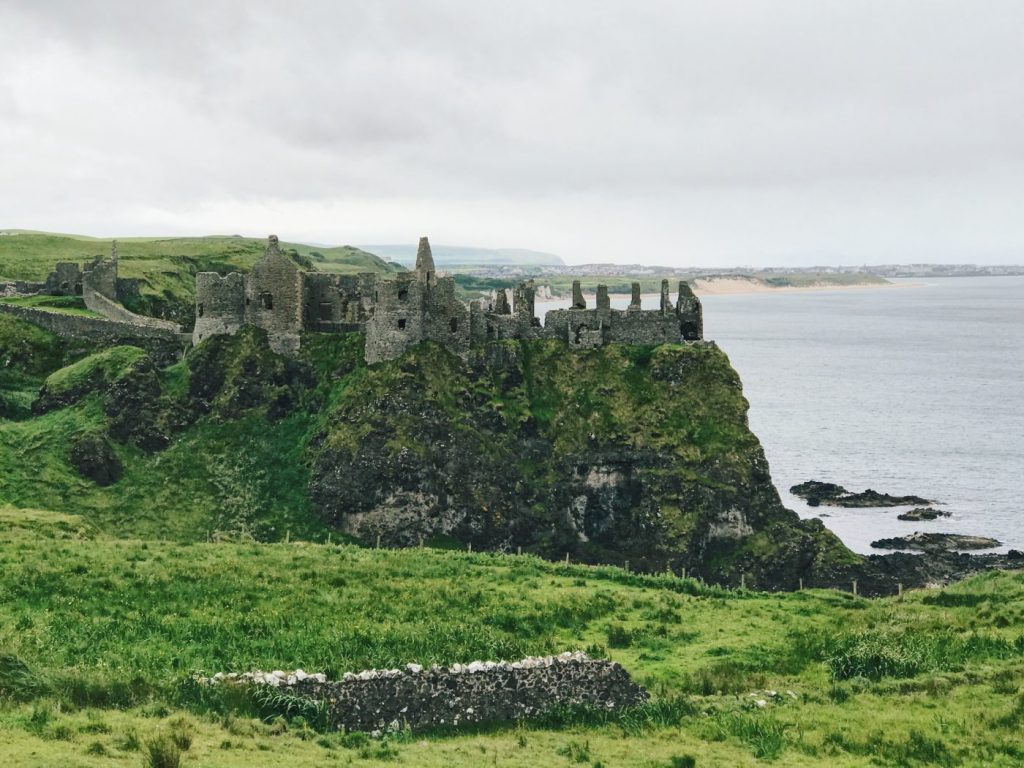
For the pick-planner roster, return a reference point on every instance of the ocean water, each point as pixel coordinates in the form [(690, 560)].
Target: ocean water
[(916, 389)]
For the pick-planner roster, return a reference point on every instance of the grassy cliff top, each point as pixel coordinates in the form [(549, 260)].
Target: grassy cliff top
[(166, 266)]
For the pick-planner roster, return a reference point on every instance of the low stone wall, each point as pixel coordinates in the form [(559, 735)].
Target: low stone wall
[(480, 692), (165, 344)]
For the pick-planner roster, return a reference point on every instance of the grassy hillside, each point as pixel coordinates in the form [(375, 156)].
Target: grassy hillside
[(167, 266), (98, 638)]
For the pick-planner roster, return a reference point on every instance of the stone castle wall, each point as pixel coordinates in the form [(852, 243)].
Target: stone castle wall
[(273, 299), (220, 305), (463, 694), (100, 278), (422, 305)]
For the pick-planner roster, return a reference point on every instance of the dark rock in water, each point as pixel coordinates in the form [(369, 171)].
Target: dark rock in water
[(922, 513), (815, 493), (936, 542), (93, 456)]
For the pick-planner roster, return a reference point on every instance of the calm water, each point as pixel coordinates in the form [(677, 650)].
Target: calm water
[(914, 390)]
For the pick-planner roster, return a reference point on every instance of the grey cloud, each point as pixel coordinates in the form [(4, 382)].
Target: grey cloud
[(751, 130)]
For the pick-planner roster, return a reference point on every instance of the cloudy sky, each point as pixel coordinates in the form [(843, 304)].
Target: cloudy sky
[(675, 132)]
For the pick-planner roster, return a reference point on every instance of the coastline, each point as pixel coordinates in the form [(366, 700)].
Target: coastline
[(723, 286)]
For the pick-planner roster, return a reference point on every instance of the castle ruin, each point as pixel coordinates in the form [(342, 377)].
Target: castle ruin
[(421, 305)]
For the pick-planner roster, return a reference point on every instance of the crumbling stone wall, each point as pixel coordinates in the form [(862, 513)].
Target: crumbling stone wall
[(336, 303), (100, 279), (220, 305), (164, 342), (20, 288), (416, 306), (65, 280), (463, 694), (273, 299)]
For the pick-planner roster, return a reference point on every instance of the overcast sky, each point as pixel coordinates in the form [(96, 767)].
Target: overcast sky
[(685, 133)]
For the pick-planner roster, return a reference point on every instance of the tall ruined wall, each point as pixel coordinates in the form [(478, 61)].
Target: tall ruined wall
[(100, 278), (273, 299), (464, 694), (690, 312), (397, 321), (220, 305), (446, 318)]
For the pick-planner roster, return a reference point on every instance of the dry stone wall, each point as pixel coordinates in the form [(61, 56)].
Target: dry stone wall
[(480, 692)]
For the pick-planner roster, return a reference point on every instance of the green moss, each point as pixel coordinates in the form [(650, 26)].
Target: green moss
[(105, 366)]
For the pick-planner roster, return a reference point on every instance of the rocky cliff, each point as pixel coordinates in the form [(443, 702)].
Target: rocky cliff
[(624, 453)]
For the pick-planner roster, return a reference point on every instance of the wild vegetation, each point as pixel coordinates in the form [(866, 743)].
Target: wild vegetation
[(208, 555), (99, 638)]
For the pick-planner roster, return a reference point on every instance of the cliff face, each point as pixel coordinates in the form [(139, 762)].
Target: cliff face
[(623, 453)]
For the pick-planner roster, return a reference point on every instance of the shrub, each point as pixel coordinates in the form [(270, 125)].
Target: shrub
[(162, 752), (765, 735)]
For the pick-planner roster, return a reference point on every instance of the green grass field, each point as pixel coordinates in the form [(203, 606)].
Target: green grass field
[(98, 638), (166, 266)]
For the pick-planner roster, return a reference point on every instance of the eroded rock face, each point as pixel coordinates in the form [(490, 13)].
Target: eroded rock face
[(93, 457), (639, 454)]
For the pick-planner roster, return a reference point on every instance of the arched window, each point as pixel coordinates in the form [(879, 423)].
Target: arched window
[(454, 325), (401, 324), (267, 300), (403, 294), (199, 310)]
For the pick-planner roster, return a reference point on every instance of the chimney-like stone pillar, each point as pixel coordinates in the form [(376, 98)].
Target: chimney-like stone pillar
[(634, 302), (603, 302), (666, 305), (501, 306), (578, 302)]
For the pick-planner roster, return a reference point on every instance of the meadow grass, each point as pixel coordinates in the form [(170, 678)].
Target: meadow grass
[(99, 637)]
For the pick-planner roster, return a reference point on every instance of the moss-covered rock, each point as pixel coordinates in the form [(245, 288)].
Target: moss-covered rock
[(91, 374), (620, 453), (231, 375), (94, 457)]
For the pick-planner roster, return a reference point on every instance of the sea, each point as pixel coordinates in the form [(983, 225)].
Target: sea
[(915, 388)]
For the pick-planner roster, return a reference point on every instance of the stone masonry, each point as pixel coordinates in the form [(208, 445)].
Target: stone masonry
[(463, 694), (283, 300), (421, 305)]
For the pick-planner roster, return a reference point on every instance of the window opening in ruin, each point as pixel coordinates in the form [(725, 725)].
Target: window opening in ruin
[(401, 324), (454, 325), (579, 332), (325, 310), (267, 300), (403, 295), (199, 310)]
